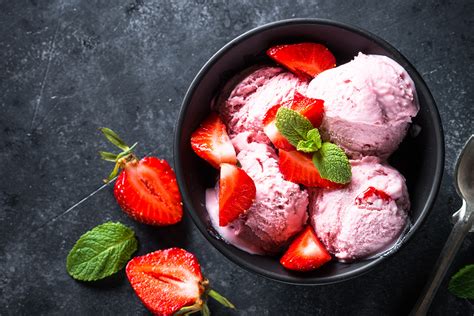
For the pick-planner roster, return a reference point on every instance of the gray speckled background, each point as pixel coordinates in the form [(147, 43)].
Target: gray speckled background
[(69, 67)]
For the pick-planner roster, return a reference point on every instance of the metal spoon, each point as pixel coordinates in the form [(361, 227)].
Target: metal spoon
[(464, 182)]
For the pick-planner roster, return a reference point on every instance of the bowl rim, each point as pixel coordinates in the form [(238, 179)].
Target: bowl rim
[(421, 87)]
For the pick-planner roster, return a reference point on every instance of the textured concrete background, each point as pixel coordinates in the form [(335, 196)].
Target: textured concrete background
[(69, 67)]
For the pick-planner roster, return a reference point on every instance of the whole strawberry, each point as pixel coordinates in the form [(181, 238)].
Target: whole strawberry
[(145, 189), (170, 282)]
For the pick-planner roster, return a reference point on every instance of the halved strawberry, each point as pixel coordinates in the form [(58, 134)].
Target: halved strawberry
[(146, 190), (305, 253), (170, 281), (211, 142), (312, 109), (236, 193), (303, 59), (270, 129), (299, 168)]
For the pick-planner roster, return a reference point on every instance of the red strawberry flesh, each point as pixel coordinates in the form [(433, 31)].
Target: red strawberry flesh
[(212, 143), (312, 109), (369, 196), (298, 167), (270, 129), (305, 253), (236, 193), (148, 192), (166, 280), (306, 60)]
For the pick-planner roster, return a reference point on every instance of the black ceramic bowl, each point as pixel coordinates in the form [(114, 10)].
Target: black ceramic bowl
[(420, 158)]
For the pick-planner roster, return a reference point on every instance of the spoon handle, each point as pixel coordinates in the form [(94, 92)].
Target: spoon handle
[(451, 247)]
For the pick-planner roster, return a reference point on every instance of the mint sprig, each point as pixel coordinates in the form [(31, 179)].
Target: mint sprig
[(101, 252), (462, 283), (330, 160)]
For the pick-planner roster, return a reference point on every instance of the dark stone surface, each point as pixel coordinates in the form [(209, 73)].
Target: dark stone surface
[(69, 67)]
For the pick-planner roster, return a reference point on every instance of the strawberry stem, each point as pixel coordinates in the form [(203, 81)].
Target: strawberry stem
[(120, 159)]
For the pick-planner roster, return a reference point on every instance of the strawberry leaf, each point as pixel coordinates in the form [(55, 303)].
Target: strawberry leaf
[(462, 283), (126, 152), (205, 310), (292, 125), (101, 252), (221, 299), (108, 156), (332, 163), (114, 173), (114, 138), (188, 310)]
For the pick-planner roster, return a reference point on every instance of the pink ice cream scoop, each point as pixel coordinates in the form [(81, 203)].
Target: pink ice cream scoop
[(369, 103), (366, 216), (279, 210), (251, 94)]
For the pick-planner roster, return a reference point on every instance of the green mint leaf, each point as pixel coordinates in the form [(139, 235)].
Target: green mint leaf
[(307, 146), (108, 156), (101, 252), (332, 163), (114, 138), (314, 135), (462, 283), (292, 125), (312, 144)]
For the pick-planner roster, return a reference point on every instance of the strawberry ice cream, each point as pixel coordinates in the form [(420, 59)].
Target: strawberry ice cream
[(368, 106), (364, 217), (369, 103), (259, 89), (279, 210)]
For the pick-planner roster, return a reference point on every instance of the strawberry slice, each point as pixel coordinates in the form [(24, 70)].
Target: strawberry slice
[(299, 168), (147, 191), (312, 109), (170, 281), (306, 60), (270, 129), (211, 142), (305, 253), (236, 193)]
